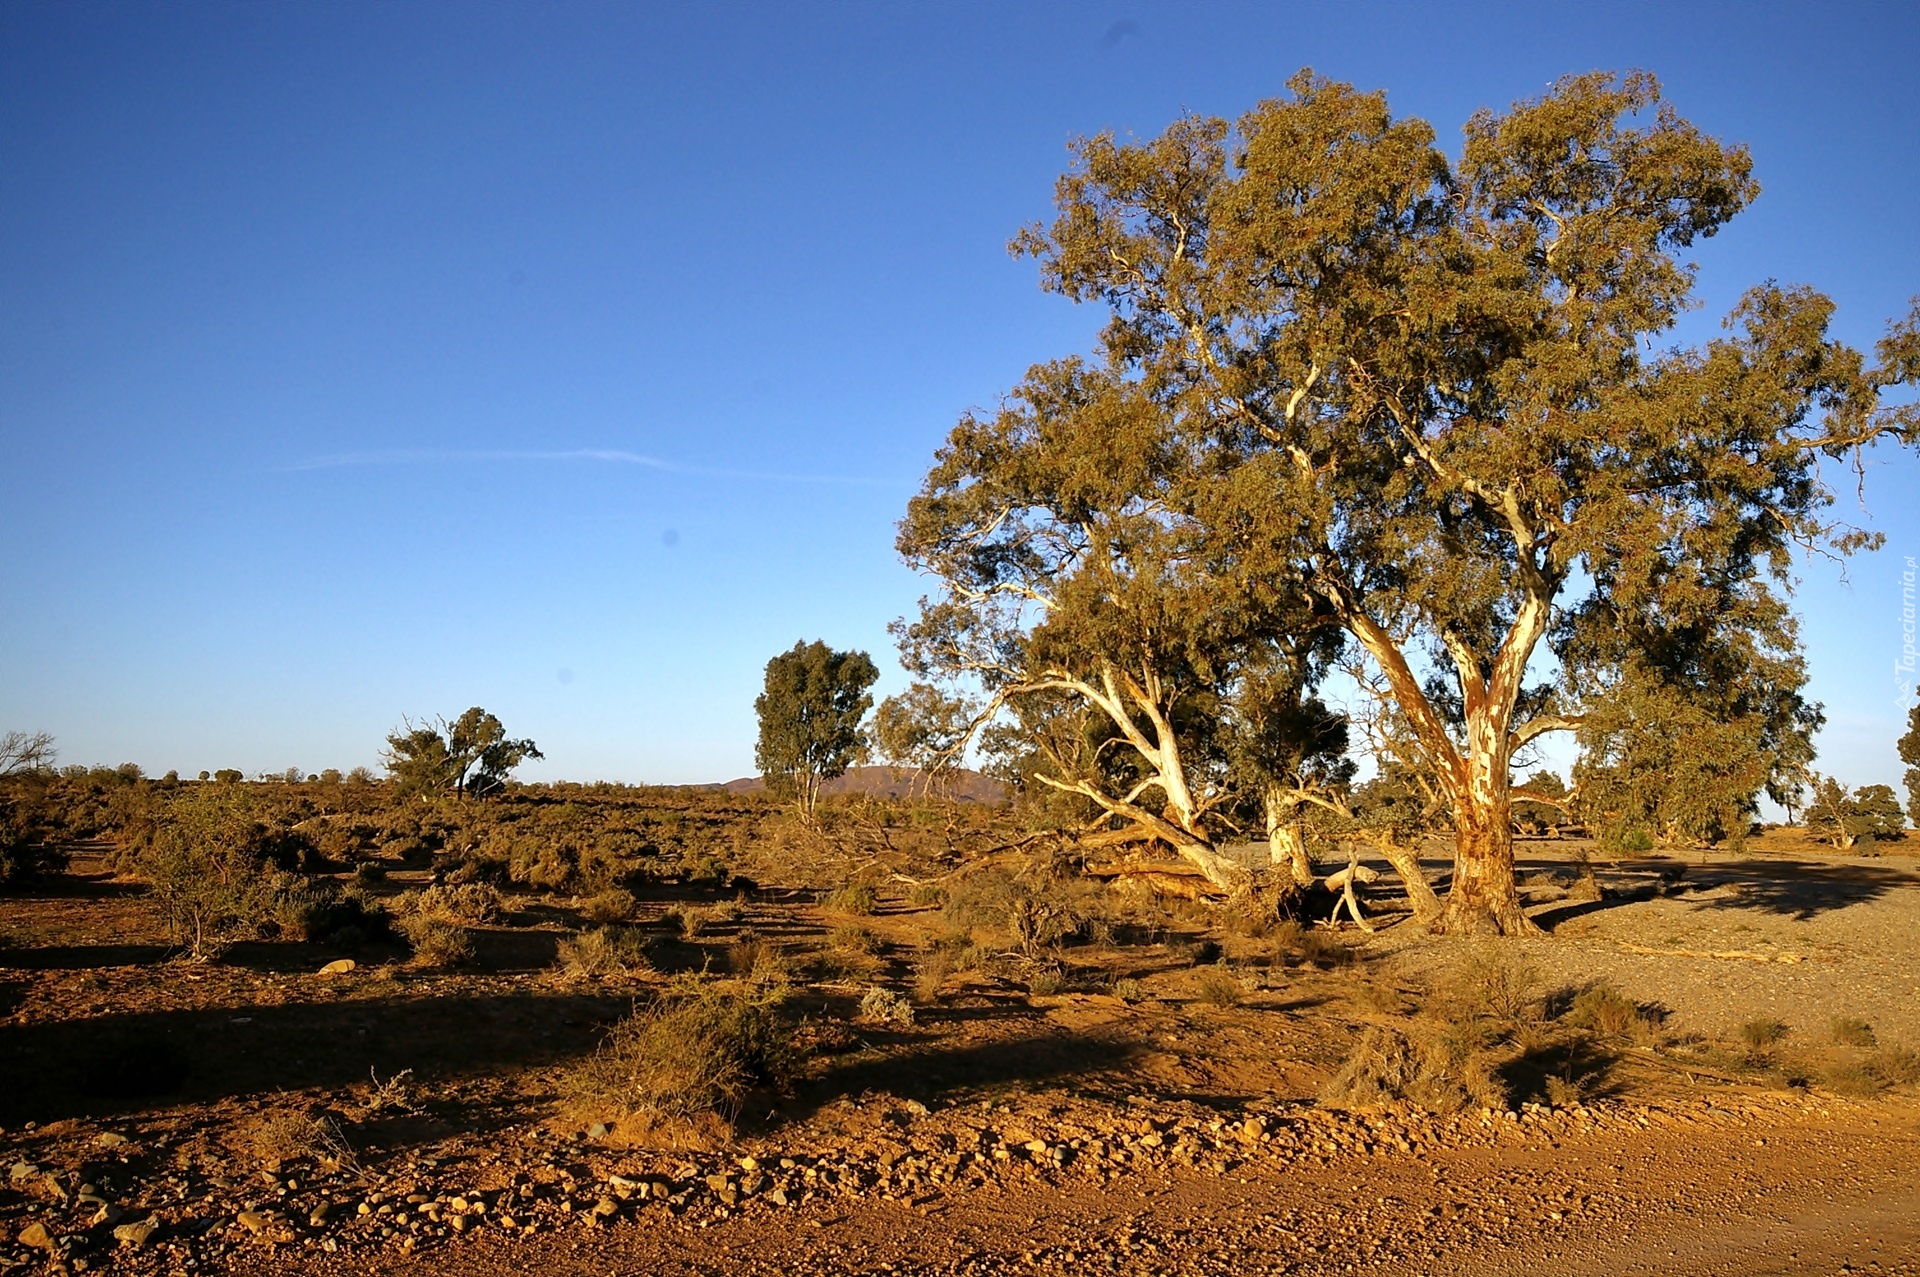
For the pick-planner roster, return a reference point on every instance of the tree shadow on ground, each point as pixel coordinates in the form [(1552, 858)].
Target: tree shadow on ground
[(141, 1061), (933, 1071), (1796, 889)]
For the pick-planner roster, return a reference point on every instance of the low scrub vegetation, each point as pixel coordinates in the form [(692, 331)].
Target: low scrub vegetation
[(701, 1048)]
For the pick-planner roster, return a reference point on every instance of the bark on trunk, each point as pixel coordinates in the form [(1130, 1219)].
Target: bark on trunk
[(1286, 846), (1484, 899), (1425, 904)]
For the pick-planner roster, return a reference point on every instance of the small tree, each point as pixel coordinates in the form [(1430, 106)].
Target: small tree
[(810, 717), (1871, 812), (470, 756), (207, 864)]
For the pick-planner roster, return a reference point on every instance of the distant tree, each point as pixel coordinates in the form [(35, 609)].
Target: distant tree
[(1541, 802), (205, 775), (228, 776), (1875, 813), (362, 775), (1871, 813), (1910, 755), (26, 752), (28, 822), (922, 728), (470, 756), (330, 776), (810, 714)]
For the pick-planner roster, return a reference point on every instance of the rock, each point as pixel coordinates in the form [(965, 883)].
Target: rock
[(339, 966), (107, 1214), (137, 1234), (36, 1236), (253, 1221), (109, 1139), (22, 1171), (318, 1217), (604, 1207), (599, 1131), (459, 1223)]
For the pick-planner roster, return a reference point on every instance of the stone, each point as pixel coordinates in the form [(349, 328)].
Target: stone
[(22, 1171), (107, 1214), (253, 1221), (137, 1234), (109, 1139), (339, 966), (36, 1236), (318, 1217), (604, 1207), (599, 1131)]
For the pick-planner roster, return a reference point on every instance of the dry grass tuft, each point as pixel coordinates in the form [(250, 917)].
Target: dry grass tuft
[(604, 952), (1218, 986), (701, 1048), (293, 1135), (437, 943)]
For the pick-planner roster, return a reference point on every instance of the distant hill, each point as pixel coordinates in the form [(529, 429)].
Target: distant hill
[(894, 782)]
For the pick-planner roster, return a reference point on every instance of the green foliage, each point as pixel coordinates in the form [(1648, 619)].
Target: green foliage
[(921, 728), (209, 872), (810, 714), (1870, 813), (1436, 404), (470, 756)]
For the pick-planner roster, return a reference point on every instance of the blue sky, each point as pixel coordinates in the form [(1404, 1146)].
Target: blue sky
[(360, 361)]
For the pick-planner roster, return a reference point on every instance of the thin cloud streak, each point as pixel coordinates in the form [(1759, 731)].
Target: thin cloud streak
[(611, 456)]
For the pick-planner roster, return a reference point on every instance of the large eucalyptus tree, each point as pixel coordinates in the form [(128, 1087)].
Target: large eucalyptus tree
[(1431, 405)]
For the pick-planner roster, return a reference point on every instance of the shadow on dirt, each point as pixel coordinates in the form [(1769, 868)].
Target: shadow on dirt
[(935, 1072), (1796, 889), (135, 1062)]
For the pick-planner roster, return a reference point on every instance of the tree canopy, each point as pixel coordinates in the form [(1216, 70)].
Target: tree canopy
[(1348, 386), (470, 756), (810, 718)]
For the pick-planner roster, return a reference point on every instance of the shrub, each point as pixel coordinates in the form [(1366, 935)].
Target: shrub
[(1605, 1010), (752, 958), (927, 894), (1046, 982), (320, 912), (856, 899), (1895, 1066), (437, 942), (471, 903), (604, 951), (884, 1006), (701, 1048), (1848, 1030), (1128, 989), (208, 875), (853, 938), (1309, 945), (615, 905), (931, 971), (1217, 986), (369, 873), (1758, 1034), (1431, 1070), (291, 1135)]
